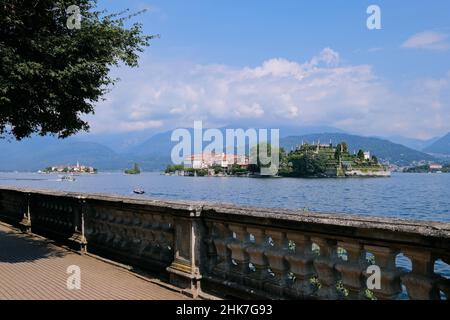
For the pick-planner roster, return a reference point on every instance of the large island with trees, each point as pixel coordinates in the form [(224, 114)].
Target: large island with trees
[(307, 160), (324, 160)]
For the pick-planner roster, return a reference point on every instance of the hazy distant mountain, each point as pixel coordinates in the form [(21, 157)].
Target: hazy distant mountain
[(160, 143), (40, 152), (440, 146), (120, 142), (383, 149), (297, 131), (155, 153), (412, 143)]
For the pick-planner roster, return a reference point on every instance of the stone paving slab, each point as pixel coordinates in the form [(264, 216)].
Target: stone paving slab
[(32, 268)]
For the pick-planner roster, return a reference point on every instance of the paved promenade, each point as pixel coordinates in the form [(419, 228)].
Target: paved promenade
[(32, 268)]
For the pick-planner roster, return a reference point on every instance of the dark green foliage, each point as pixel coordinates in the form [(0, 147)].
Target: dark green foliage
[(304, 165), (198, 172), (344, 147), (134, 170), (338, 152), (360, 155), (266, 149), (50, 75), (174, 167), (426, 168), (418, 169), (217, 169), (237, 170)]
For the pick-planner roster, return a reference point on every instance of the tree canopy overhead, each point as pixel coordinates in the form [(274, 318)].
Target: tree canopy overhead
[(50, 74)]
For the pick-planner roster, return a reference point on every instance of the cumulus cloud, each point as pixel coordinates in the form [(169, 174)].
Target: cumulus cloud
[(277, 93), (427, 40)]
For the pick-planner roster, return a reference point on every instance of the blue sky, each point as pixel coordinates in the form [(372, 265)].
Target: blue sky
[(275, 63)]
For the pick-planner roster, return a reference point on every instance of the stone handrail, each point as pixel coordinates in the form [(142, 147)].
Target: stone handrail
[(242, 251)]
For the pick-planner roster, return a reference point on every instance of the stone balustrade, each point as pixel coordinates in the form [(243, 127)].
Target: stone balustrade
[(244, 252)]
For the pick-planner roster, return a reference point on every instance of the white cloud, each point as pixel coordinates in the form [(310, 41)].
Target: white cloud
[(427, 40), (276, 93)]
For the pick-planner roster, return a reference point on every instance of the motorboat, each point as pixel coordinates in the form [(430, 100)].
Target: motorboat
[(67, 178), (139, 191)]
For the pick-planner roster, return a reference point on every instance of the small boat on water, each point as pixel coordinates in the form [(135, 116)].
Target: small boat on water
[(67, 178), (139, 191)]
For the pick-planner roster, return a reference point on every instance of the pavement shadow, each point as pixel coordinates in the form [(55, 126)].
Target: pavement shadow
[(16, 247)]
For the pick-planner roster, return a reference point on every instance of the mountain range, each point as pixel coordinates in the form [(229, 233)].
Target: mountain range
[(440, 146), (117, 152)]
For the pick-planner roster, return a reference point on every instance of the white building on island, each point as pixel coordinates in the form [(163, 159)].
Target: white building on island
[(208, 160)]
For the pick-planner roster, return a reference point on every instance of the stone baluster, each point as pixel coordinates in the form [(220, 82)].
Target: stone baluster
[(167, 238), (351, 270), (390, 285), (239, 255), (221, 238), (275, 253), (137, 236), (156, 233), (117, 235), (188, 251), (78, 239), (255, 252), (142, 234), (149, 236), (325, 267), (421, 282), (211, 252), (25, 223), (300, 259), (124, 237), (107, 232)]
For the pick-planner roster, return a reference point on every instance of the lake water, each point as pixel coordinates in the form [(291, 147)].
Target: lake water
[(407, 196)]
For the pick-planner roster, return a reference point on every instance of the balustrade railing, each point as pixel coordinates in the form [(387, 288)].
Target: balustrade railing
[(293, 256), (246, 252)]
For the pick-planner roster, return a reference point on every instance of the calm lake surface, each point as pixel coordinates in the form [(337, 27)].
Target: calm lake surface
[(403, 195), (407, 196)]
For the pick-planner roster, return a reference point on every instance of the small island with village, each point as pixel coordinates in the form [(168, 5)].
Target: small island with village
[(69, 169), (314, 160)]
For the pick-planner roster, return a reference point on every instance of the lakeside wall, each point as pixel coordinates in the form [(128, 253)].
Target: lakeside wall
[(241, 251)]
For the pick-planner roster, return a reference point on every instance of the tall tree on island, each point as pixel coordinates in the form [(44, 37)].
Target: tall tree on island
[(374, 159), (337, 152), (263, 149), (360, 155), (52, 70)]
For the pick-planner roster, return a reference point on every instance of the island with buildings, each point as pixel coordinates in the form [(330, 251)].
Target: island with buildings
[(69, 169), (326, 160), (212, 164), (306, 160)]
